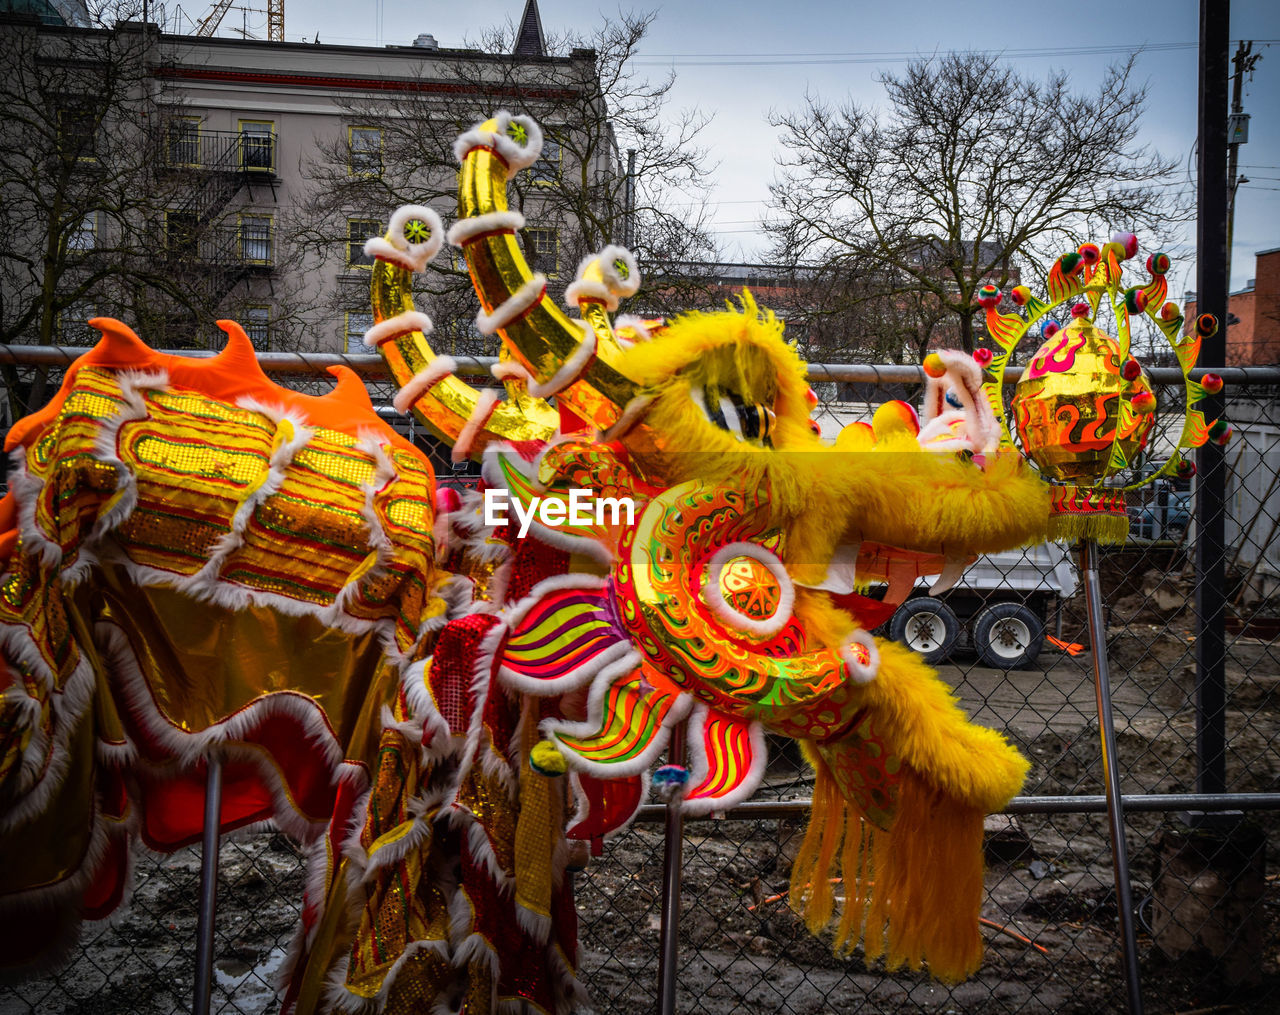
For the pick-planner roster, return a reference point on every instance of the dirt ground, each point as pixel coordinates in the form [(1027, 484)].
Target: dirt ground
[(741, 948)]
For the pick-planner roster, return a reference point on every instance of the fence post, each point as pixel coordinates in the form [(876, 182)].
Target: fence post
[(1111, 771), (671, 859), (208, 884)]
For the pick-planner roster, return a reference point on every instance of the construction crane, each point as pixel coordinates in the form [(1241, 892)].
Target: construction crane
[(275, 19)]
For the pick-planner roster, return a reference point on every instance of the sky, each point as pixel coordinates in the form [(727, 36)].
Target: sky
[(737, 61)]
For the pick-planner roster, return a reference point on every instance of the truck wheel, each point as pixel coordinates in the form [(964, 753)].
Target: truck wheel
[(1007, 636), (926, 625)]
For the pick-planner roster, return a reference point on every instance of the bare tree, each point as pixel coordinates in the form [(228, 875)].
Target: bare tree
[(594, 109), (970, 174)]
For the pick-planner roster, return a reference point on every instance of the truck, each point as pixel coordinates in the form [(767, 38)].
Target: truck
[(999, 607)]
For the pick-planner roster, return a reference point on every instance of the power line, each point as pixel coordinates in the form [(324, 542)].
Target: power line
[(890, 56)]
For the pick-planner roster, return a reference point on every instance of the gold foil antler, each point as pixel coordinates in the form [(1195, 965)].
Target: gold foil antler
[(450, 408), (576, 360)]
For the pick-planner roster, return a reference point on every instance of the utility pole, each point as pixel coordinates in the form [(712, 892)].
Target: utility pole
[(629, 215), (1237, 134)]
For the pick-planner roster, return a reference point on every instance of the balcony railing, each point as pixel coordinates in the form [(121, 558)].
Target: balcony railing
[(227, 151)]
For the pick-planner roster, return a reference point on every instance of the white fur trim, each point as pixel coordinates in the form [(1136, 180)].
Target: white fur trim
[(635, 324), (281, 458), (699, 767), (579, 290), (617, 284), (423, 381), (731, 618), (555, 729), (463, 231), (509, 370), (393, 327), (572, 368), (513, 307), (397, 248), (859, 673), (517, 156), (486, 403)]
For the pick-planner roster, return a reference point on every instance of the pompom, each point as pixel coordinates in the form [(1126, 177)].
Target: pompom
[(669, 781), (988, 296), (1185, 468), (1127, 242), (1169, 312), (1220, 431), (1144, 403), (1020, 294), (1079, 310), (448, 500), (1211, 383), (811, 397), (1206, 325), (1136, 300), (1131, 370), (1158, 263), (546, 759), (1071, 263), (1090, 253), (1049, 329), (983, 357), (933, 365)]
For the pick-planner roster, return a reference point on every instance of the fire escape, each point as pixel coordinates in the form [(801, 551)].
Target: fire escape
[(212, 245)]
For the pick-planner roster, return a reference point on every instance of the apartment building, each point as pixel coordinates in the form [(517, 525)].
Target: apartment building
[(279, 159)]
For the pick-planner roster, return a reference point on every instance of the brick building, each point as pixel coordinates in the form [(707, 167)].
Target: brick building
[(1253, 332)]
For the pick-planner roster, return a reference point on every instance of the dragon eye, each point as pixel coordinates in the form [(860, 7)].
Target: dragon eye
[(749, 421), (954, 401)]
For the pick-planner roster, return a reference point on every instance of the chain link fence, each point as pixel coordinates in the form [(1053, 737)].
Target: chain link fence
[(1208, 911)]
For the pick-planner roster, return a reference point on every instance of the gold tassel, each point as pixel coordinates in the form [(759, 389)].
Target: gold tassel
[(1104, 528), (918, 885)]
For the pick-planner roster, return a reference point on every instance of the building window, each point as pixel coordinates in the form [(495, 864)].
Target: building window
[(258, 146), (547, 169), (85, 234), (184, 141), (73, 323), (257, 324), (255, 239), (542, 247), (359, 230), (357, 324), (180, 232), (364, 151), (78, 134)]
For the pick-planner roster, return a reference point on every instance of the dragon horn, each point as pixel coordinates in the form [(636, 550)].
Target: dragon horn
[(576, 360), (450, 408)]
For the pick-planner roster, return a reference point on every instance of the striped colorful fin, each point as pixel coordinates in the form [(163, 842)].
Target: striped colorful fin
[(1061, 285), (627, 724), (1006, 329), (1188, 351), (561, 637), (728, 761), (1157, 291), (1195, 431)]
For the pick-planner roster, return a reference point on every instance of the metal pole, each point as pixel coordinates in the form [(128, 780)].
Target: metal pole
[(1111, 772), (1211, 298), (208, 885), (671, 860), (629, 219)]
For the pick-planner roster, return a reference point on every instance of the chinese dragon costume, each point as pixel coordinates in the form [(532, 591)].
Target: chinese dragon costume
[(447, 715)]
